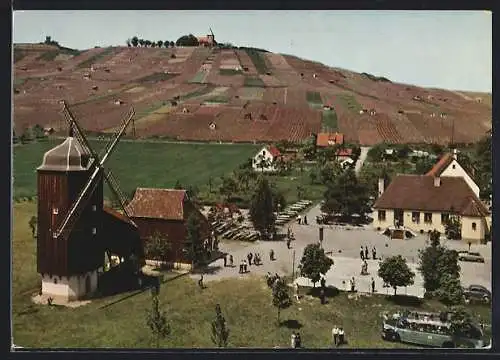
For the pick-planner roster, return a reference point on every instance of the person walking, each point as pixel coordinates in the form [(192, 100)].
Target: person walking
[(353, 284), (293, 341), (296, 287), (374, 253), (231, 260), (305, 219), (366, 252), (225, 260), (361, 253), (288, 242), (299, 218), (245, 268), (373, 285), (249, 257), (200, 282), (335, 335), (271, 255), (341, 336), (298, 341), (242, 265), (323, 282), (322, 296)]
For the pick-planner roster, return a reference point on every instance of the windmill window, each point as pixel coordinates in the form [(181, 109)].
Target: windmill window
[(55, 211), (94, 207), (474, 226), (94, 231), (453, 166)]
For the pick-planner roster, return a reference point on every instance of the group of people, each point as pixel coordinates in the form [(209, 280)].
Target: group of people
[(364, 253), (231, 260), (301, 221), (296, 341), (338, 336)]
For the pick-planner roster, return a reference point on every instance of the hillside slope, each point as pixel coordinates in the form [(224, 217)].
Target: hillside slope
[(234, 95)]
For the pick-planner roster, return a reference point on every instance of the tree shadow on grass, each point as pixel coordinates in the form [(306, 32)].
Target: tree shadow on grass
[(405, 300), (209, 270), (291, 324), (330, 291)]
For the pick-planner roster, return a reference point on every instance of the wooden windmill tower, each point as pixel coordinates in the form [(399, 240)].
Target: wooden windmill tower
[(70, 246)]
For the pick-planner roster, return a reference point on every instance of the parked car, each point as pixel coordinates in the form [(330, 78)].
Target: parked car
[(470, 256), (477, 293)]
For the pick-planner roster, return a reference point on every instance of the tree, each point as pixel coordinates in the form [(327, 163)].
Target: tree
[(220, 333), (346, 196), (262, 207), (314, 262), (460, 321), (166, 43), (403, 152), (263, 162), (450, 291), (141, 42), (281, 296), (135, 41), (423, 165), (160, 43), (157, 247), (172, 44), (33, 223), (376, 153), (395, 272), (178, 185), (228, 187), (187, 40), (193, 245), (157, 321)]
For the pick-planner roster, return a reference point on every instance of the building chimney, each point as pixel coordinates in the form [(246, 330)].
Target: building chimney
[(381, 186), (437, 181), (455, 152)]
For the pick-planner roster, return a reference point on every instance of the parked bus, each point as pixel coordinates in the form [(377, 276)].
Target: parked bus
[(430, 329)]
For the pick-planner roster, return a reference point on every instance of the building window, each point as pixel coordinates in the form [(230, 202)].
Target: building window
[(94, 231), (428, 218), (445, 218), (474, 226), (263, 152), (415, 217), (381, 215), (94, 207), (55, 211), (453, 166)]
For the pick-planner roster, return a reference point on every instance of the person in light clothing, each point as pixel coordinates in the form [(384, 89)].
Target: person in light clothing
[(335, 335), (341, 336)]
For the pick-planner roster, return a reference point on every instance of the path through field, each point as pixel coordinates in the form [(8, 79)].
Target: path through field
[(362, 158)]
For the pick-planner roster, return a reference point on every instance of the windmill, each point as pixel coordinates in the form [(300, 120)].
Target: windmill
[(74, 230), (98, 170), (212, 36)]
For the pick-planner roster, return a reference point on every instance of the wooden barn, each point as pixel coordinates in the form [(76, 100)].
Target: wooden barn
[(166, 211)]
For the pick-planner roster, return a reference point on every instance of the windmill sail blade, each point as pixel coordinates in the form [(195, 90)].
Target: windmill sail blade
[(115, 188), (130, 114), (76, 209), (112, 145), (70, 119)]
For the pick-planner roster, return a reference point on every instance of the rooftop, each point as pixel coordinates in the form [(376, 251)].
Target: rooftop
[(67, 156), (167, 204), (419, 193), (329, 139)]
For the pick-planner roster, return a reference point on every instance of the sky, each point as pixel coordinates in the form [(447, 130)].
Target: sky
[(442, 49)]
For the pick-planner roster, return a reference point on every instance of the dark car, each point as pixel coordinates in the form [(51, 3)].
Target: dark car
[(477, 293), (470, 256)]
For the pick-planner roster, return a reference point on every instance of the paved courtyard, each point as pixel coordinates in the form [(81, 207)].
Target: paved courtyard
[(344, 245)]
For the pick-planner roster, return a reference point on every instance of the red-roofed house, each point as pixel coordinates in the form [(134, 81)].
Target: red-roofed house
[(448, 165), (329, 139), (166, 211), (424, 203), (264, 160)]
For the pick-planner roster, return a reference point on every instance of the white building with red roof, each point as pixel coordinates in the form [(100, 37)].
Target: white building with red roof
[(265, 159)]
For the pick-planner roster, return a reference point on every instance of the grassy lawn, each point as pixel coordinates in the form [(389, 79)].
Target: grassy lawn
[(199, 77), (51, 55), (96, 57), (230, 72), (350, 102), (246, 305), (257, 60), (220, 99), (141, 164), (251, 81), (314, 99), (200, 92), (329, 120)]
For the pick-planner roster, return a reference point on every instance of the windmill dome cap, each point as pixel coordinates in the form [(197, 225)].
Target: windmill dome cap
[(68, 156)]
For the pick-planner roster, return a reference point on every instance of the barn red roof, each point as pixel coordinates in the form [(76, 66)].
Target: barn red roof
[(328, 139), (441, 165), (274, 150), (167, 204), (418, 193), (344, 152), (118, 215)]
